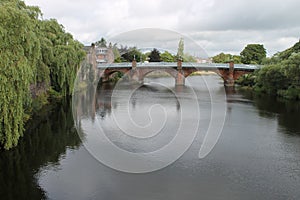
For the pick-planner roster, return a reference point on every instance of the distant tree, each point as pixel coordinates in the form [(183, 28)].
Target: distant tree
[(221, 58), (180, 50), (130, 54), (225, 58), (117, 55), (101, 42), (146, 56), (188, 58), (253, 53), (236, 59), (123, 49), (143, 57), (167, 57), (154, 56)]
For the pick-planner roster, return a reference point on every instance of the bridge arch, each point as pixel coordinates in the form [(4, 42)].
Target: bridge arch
[(144, 72), (193, 70), (159, 70), (107, 74)]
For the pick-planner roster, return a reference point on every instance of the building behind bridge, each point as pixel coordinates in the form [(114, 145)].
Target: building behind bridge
[(103, 54)]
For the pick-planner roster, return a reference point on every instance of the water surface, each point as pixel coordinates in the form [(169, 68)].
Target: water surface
[(256, 157)]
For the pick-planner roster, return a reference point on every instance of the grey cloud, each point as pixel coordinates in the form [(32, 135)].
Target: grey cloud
[(149, 38), (244, 15), (234, 41), (217, 25)]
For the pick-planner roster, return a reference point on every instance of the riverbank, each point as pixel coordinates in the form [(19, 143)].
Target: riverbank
[(288, 94)]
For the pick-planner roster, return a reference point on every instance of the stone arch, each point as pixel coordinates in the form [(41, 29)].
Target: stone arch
[(144, 72), (155, 70), (190, 71), (108, 72)]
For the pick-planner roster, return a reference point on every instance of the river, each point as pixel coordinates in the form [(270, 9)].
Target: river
[(257, 155)]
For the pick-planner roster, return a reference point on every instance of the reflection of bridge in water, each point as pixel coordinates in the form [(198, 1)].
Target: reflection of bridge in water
[(180, 70), (105, 102)]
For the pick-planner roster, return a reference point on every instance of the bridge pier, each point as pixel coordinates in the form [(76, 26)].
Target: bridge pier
[(135, 75), (180, 78), (229, 81)]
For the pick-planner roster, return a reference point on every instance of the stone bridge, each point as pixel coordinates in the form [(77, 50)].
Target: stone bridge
[(180, 70)]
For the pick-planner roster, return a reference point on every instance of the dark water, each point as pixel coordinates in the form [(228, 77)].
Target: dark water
[(256, 157)]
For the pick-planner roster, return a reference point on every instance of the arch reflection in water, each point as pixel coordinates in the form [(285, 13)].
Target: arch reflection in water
[(153, 110), (136, 129), (143, 120), (140, 149)]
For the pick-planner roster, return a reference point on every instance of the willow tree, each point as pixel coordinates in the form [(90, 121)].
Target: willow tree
[(32, 51), (63, 55), (18, 53)]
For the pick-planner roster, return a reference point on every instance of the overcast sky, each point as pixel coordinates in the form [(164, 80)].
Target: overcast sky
[(216, 25)]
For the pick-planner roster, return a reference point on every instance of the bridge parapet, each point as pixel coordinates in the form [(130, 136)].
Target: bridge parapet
[(184, 65), (244, 66), (114, 65)]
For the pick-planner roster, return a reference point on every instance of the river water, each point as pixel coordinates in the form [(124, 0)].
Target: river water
[(257, 155)]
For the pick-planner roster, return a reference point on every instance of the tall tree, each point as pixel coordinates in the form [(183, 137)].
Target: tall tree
[(66, 58), (20, 51), (180, 50), (253, 53), (154, 56), (116, 52)]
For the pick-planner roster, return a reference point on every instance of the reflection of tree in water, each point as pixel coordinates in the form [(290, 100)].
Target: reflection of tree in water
[(47, 138), (286, 112), (103, 99), (104, 103), (137, 101)]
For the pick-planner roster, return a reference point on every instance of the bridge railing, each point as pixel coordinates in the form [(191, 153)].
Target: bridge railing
[(206, 65), (115, 65), (244, 66), (157, 64), (184, 64)]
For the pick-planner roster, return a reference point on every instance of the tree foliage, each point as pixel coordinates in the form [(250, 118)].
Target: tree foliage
[(253, 54), (128, 55), (116, 52), (167, 57), (281, 76), (32, 51), (188, 58), (101, 43), (225, 58), (180, 50), (272, 78), (291, 68), (154, 56)]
